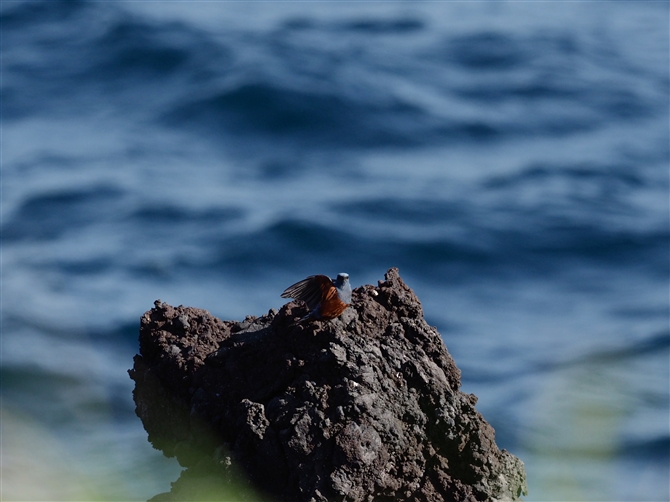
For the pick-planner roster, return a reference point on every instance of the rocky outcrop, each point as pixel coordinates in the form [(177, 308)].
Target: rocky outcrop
[(363, 407)]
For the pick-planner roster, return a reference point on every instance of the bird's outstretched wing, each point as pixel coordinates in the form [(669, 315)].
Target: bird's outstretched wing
[(310, 290)]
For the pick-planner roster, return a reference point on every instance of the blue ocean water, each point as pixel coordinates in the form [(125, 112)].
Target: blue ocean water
[(511, 158)]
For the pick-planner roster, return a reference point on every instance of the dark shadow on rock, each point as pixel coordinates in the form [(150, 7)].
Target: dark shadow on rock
[(363, 407)]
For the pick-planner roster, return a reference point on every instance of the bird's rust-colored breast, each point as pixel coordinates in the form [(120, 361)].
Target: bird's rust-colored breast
[(331, 305)]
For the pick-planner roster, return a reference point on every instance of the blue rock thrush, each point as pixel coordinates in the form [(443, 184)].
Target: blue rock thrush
[(326, 298)]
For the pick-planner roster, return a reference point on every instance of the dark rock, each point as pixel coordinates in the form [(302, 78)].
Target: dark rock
[(363, 407)]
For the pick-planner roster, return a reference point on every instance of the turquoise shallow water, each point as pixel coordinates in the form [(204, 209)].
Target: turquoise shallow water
[(510, 158)]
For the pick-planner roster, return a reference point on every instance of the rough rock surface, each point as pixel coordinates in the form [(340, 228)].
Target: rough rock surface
[(363, 407)]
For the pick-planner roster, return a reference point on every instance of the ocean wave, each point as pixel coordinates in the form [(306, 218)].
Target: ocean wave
[(298, 89), (48, 216)]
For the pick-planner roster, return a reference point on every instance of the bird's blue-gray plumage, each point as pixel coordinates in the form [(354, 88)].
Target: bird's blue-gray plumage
[(343, 287)]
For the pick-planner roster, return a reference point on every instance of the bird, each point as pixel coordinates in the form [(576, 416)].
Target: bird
[(326, 298)]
